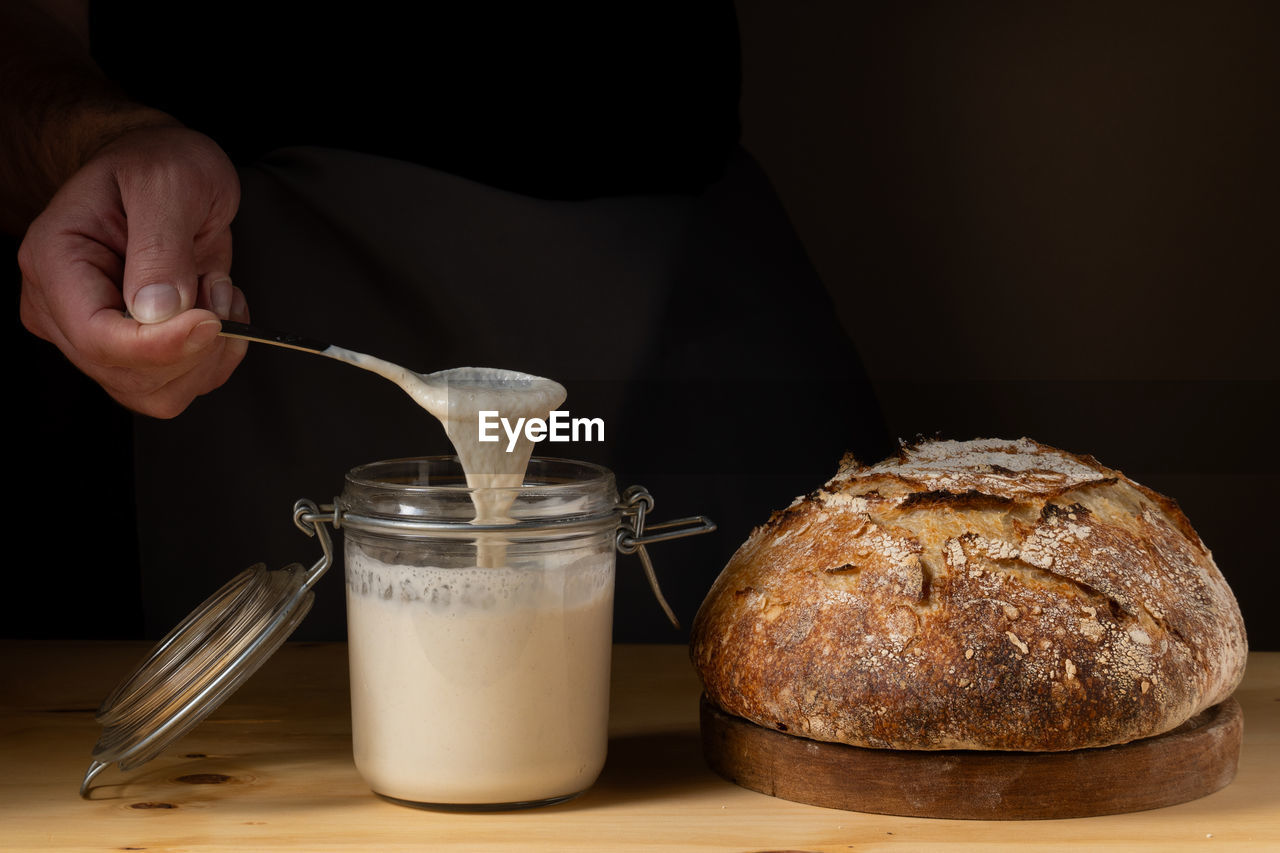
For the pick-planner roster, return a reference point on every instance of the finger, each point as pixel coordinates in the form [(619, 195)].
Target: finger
[(216, 294), (80, 309), (142, 378), (239, 308), (213, 257), (160, 279), (66, 277), (87, 322), (169, 348), (210, 371), (164, 390), (90, 316)]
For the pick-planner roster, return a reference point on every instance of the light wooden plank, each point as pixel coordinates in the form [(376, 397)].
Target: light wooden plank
[(283, 746)]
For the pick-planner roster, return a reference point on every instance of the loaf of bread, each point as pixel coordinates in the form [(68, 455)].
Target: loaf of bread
[(989, 594)]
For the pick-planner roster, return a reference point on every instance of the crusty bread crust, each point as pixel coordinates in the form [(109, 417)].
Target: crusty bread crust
[(987, 594)]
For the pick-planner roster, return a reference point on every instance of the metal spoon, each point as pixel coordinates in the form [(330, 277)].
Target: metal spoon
[(429, 390), (245, 332)]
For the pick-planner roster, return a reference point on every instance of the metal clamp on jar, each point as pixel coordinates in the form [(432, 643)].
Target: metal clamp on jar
[(479, 653)]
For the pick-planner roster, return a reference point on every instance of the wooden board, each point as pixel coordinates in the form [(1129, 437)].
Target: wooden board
[(271, 771), (1195, 759)]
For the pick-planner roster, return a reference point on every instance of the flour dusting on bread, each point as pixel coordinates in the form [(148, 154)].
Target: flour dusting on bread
[(987, 594)]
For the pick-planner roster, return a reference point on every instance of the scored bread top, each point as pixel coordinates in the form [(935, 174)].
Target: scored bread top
[(987, 594)]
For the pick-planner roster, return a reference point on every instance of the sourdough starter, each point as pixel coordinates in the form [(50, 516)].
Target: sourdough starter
[(456, 398), (486, 684)]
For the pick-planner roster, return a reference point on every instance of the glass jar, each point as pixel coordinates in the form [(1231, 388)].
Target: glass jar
[(479, 654)]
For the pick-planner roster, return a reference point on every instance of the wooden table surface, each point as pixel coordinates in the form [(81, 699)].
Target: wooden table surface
[(271, 770)]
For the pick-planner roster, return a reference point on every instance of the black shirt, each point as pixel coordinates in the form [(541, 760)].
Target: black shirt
[(538, 99)]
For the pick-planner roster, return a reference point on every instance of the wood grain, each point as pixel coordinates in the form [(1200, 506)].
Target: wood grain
[(1194, 760), (271, 771)]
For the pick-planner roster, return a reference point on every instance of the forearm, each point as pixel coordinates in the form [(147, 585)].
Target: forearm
[(56, 108)]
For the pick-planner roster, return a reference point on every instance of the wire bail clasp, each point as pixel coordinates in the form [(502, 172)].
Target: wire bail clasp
[(633, 535), (311, 519)]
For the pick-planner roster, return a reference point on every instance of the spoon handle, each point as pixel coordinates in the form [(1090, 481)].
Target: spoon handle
[(245, 332)]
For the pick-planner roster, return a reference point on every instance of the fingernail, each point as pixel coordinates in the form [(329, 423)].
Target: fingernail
[(220, 295), (201, 336), (156, 303)]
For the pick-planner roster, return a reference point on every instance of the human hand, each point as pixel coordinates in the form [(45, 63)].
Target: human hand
[(127, 269)]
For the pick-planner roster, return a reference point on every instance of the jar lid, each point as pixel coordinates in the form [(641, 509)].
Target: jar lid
[(206, 658)]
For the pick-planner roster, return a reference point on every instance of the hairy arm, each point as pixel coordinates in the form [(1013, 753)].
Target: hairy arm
[(126, 216), (56, 108)]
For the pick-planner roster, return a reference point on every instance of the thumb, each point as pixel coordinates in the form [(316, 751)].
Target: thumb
[(160, 279)]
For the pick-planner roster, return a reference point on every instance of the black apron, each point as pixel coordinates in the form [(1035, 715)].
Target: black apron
[(693, 325), (533, 191)]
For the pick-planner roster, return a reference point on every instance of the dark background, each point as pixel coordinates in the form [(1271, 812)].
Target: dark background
[(1053, 220), (1042, 221)]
